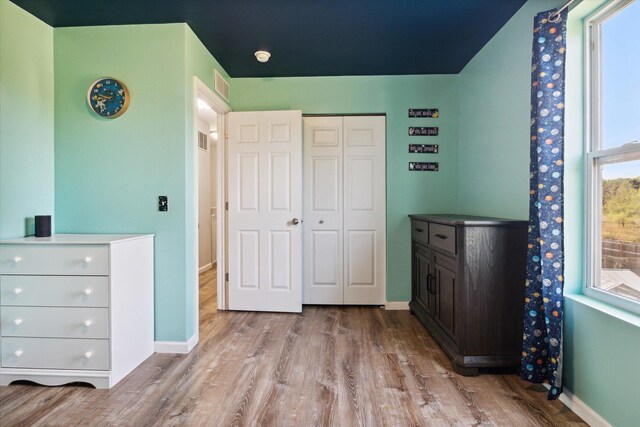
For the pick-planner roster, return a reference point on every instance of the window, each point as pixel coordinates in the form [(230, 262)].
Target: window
[(613, 154)]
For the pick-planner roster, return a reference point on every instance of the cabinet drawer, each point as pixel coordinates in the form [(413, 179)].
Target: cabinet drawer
[(71, 260), (55, 291), (420, 231), (443, 237), (55, 353), (55, 322)]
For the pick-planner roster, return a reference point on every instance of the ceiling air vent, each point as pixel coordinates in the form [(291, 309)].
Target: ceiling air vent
[(221, 85), (203, 141)]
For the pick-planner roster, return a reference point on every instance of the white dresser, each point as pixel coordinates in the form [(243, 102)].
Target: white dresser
[(75, 307)]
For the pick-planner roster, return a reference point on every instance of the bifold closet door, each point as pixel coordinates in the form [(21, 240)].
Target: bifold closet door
[(345, 210), (323, 217), (364, 165)]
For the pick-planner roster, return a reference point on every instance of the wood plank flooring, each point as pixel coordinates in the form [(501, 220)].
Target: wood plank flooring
[(329, 366)]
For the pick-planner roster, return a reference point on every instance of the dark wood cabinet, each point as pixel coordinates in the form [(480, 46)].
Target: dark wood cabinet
[(468, 287)]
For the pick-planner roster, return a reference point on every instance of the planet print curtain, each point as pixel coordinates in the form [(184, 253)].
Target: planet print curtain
[(542, 338)]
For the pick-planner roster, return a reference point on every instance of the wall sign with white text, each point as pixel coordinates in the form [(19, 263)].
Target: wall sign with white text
[(424, 112), (423, 166), (423, 131), (423, 148)]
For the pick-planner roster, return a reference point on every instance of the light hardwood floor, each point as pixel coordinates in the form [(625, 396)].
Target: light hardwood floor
[(334, 366)]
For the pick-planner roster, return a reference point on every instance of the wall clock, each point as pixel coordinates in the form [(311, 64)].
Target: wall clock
[(108, 97)]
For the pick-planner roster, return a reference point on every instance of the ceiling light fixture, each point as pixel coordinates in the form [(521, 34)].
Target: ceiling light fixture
[(262, 55)]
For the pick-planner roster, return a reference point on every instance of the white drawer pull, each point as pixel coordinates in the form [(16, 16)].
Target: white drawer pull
[(17, 259), (88, 355), (87, 323), (17, 291), (17, 321), (87, 259), (18, 353), (88, 291)]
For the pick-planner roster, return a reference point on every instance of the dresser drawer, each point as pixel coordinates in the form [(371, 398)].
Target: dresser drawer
[(443, 237), (71, 260), (420, 231), (55, 353), (54, 322), (55, 291)]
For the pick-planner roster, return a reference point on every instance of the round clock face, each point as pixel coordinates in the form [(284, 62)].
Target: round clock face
[(108, 97)]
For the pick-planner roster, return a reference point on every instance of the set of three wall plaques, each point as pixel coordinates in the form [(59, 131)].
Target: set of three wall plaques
[(423, 131)]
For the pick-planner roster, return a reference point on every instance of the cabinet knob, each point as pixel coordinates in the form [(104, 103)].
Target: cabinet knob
[(17, 259), (87, 259), (88, 355), (17, 322), (18, 353), (17, 291), (321, 221), (87, 323), (88, 291)]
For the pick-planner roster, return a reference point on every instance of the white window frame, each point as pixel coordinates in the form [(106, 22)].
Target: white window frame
[(597, 157)]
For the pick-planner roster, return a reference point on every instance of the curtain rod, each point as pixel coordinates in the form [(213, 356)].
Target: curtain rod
[(555, 16)]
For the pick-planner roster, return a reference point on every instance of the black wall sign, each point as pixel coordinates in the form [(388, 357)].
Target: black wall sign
[(423, 131), (423, 166), (423, 148), (424, 112)]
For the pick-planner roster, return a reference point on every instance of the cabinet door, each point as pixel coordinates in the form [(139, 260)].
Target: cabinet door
[(422, 274), (445, 287)]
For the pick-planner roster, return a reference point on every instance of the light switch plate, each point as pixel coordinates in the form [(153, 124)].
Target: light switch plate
[(163, 203)]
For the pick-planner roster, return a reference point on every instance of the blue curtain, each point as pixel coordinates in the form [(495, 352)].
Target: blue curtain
[(542, 338)]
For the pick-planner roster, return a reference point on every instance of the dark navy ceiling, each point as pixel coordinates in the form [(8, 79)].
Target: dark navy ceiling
[(310, 37)]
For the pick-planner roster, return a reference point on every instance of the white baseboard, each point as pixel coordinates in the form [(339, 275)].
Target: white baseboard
[(181, 347), (396, 305), (205, 268), (581, 409)]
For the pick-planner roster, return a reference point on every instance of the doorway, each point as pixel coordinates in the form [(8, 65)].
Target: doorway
[(209, 116), (207, 208)]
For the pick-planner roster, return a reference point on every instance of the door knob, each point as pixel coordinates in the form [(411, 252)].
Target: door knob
[(295, 221)]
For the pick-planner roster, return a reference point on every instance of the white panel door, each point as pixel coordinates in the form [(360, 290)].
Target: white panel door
[(265, 207), (364, 157), (323, 274)]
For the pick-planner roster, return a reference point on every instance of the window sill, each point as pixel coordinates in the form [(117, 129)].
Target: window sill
[(605, 308)]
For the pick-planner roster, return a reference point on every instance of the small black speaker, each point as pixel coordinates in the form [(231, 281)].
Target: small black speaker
[(43, 225)]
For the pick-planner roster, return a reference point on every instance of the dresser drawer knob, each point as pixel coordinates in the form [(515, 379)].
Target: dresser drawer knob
[(18, 353), (17, 259), (87, 259), (88, 355), (17, 291), (442, 236), (88, 291), (87, 323), (17, 322)]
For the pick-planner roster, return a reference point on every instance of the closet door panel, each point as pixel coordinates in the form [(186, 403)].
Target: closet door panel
[(323, 199), (364, 167)]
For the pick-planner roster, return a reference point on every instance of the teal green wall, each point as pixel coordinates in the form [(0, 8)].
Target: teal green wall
[(601, 348), (601, 343), (494, 121), (110, 172), (407, 192), (26, 120)]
